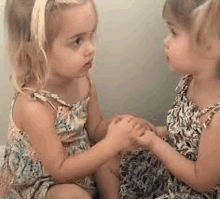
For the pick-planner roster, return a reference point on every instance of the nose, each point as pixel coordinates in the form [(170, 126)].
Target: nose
[(90, 48), (166, 41)]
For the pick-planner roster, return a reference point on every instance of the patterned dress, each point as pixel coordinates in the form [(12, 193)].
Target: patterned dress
[(23, 171), (144, 176)]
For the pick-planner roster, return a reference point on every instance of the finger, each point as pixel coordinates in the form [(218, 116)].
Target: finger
[(141, 132), (117, 117), (152, 127), (130, 118), (135, 115), (134, 122), (117, 120), (137, 126), (147, 124), (125, 116), (147, 127), (114, 121)]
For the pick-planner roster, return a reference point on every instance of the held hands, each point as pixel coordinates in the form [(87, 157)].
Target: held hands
[(127, 132), (118, 133), (142, 138)]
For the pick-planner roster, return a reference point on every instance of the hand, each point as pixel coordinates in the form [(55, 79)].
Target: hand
[(142, 138), (138, 129), (120, 117), (147, 125), (118, 133)]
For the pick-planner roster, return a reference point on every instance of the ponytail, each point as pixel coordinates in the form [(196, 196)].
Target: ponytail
[(38, 38), (38, 22)]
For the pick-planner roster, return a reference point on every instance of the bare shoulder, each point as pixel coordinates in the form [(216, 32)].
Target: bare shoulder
[(209, 153), (211, 134), (25, 109), (37, 119), (214, 125)]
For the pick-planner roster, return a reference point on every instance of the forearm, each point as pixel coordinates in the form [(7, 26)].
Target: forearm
[(100, 131), (161, 131), (80, 165), (178, 165)]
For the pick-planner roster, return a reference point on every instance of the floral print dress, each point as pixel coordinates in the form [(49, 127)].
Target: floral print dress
[(144, 176), (22, 175)]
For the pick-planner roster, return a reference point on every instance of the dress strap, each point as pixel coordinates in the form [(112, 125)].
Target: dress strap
[(34, 95), (214, 109), (183, 83), (45, 95)]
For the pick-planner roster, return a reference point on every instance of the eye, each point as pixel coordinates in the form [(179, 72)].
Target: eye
[(77, 42), (173, 32)]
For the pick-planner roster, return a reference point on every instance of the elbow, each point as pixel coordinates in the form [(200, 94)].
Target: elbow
[(203, 181), (64, 175), (203, 186), (58, 173), (57, 176)]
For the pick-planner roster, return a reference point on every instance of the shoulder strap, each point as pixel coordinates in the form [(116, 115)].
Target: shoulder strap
[(34, 95), (183, 83), (214, 109)]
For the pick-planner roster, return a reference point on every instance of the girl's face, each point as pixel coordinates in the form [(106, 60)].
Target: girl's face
[(180, 55), (72, 52)]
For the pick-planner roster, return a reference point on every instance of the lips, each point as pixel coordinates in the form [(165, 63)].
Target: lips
[(88, 64)]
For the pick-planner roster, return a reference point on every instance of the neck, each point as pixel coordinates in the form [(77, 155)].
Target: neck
[(205, 80), (58, 86), (206, 88)]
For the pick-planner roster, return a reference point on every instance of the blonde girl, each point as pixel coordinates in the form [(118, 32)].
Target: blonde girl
[(55, 114), (186, 162)]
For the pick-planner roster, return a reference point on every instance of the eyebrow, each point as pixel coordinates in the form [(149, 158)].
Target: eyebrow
[(170, 24), (82, 33)]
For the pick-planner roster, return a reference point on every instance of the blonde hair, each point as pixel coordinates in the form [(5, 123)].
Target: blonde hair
[(206, 22), (182, 11), (31, 29), (200, 17)]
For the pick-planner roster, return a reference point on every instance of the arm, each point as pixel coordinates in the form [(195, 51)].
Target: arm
[(38, 120), (161, 131), (96, 125), (202, 175)]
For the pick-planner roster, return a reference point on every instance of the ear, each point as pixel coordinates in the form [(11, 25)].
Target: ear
[(212, 49)]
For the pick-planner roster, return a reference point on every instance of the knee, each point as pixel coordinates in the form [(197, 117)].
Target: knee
[(69, 195), (68, 192)]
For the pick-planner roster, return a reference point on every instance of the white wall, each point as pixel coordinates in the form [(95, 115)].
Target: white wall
[(129, 71), (5, 92)]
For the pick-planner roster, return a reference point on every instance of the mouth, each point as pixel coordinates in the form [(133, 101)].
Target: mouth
[(88, 64)]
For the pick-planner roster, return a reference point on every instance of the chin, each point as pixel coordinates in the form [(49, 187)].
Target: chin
[(174, 70), (82, 75)]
